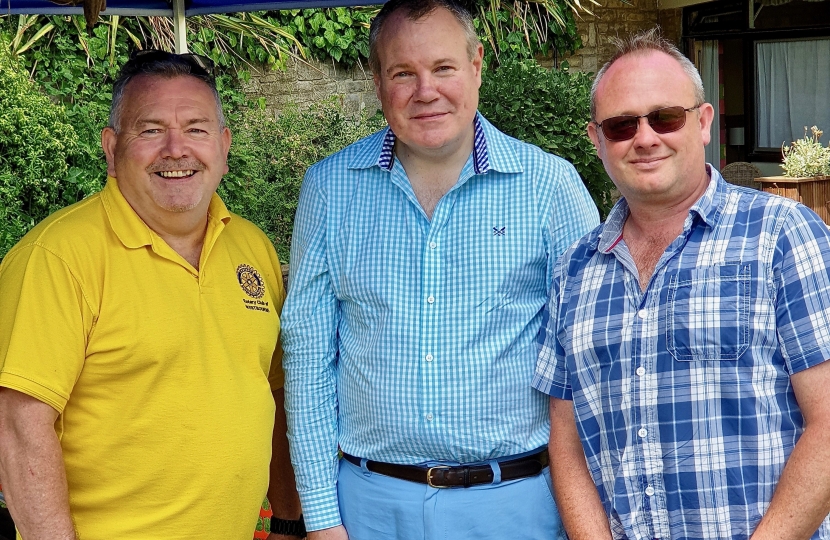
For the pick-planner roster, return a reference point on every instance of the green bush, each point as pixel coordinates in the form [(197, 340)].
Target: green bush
[(270, 155), (77, 71), (551, 109), (50, 153), (39, 155)]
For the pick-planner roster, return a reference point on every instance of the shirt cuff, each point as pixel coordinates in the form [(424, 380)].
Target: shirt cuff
[(552, 388), (806, 361), (33, 389), (320, 508)]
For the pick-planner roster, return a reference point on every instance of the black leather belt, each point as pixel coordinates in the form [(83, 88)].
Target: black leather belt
[(445, 476)]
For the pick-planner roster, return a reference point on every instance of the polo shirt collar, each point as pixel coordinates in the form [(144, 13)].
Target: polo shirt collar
[(491, 150), (708, 208), (131, 229)]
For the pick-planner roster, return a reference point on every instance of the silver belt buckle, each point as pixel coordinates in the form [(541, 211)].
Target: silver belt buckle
[(429, 475)]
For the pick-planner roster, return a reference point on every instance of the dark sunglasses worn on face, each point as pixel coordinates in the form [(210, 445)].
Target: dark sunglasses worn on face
[(665, 120), (200, 65)]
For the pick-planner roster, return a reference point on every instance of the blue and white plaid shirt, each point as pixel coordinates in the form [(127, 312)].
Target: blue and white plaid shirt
[(408, 340), (682, 393)]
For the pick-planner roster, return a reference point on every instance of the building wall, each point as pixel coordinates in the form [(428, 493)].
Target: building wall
[(671, 21), (615, 18), (312, 82), (308, 83)]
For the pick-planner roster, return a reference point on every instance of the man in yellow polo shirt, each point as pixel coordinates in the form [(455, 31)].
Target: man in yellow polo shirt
[(138, 338)]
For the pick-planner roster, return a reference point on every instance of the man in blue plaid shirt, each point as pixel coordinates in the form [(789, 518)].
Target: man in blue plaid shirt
[(685, 347), (420, 265)]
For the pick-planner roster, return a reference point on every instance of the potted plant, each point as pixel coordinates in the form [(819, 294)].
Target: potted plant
[(806, 179), (806, 158)]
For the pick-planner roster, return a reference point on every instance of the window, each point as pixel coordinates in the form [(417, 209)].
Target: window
[(792, 85)]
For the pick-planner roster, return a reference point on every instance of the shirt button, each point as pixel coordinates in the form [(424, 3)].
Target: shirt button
[(642, 313), (643, 432), (640, 371), (650, 491), (429, 417), (433, 245), (429, 358), (431, 300)]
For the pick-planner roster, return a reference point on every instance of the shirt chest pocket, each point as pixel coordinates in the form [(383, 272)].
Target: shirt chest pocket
[(708, 313)]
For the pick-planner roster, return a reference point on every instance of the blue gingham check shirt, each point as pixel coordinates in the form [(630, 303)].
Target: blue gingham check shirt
[(682, 393), (408, 340)]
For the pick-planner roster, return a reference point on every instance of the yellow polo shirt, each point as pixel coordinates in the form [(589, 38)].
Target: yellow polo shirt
[(160, 371)]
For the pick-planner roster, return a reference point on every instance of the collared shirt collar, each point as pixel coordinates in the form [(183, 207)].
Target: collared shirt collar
[(131, 229), (708, 208), (489, 153)]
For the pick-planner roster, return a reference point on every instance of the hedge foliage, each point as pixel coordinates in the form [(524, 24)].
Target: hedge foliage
[(40, 155), (551, 109), (270, 155)]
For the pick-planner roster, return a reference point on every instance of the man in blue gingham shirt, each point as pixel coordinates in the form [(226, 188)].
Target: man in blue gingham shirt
[(687, 336), (419, 271)]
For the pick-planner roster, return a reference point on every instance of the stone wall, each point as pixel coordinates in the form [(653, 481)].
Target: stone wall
[(308, 83), (671, 22), (312, 82), (615, 18)]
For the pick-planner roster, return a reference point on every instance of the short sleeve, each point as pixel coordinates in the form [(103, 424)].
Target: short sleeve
[(551, 375), (801, 274), (44, 323)]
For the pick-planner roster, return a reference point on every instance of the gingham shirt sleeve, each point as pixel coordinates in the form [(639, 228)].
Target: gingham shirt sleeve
[(309, 326), (574, 212), (551, 375), (801, 270)]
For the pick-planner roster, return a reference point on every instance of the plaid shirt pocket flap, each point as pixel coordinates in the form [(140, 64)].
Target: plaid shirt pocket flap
[(708, 313)]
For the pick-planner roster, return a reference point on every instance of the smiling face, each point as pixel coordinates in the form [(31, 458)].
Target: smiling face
[(169, 153), (652, 168), (427, 82)]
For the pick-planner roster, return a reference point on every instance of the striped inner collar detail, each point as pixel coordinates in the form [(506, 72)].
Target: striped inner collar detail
[(481, 160)]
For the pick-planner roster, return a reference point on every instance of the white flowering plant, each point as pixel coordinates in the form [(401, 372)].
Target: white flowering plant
[(806, 157)]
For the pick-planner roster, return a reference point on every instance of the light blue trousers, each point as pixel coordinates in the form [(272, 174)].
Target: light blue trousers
[(377, 507)]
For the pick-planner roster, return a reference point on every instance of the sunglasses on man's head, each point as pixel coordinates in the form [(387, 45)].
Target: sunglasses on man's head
[(202, 64), (665, 120)]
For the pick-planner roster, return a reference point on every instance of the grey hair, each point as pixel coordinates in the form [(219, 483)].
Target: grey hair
[(416, 10), (168, 68), (643, 42)]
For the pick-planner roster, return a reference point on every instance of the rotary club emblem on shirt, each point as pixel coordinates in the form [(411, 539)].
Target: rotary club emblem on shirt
[(250, 281)]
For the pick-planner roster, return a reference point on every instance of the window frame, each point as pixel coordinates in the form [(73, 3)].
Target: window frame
[(749, 37)]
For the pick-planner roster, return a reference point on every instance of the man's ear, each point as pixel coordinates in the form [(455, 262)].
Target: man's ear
[(593, 134), (478, 61), (108, 141), (226, 145), (707, 116)]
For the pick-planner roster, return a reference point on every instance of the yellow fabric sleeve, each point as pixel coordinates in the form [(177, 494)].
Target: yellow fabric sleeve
[(44, 321)]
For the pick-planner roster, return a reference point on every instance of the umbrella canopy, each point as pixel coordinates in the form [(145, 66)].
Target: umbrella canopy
[(165, 9)]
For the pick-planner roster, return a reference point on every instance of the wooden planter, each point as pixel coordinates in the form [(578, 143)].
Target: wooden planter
[(813, 192)]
